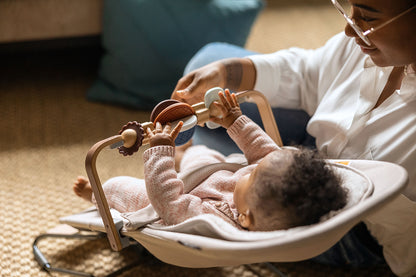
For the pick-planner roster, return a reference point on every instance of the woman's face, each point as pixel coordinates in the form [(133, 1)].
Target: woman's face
[(393, 44)]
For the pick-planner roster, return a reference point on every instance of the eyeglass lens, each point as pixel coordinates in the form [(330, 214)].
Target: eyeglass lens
[(345, 7)]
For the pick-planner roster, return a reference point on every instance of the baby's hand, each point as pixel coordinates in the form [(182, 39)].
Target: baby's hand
[(163, 136), (229, 108)]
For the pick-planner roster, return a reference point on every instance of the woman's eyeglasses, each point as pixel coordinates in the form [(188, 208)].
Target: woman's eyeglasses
[(364, 34)]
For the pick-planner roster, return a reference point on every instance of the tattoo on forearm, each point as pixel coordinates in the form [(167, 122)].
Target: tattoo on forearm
[(234, 72)]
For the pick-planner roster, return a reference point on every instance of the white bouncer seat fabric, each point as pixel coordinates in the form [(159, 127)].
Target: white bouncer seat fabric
[(208, 241)]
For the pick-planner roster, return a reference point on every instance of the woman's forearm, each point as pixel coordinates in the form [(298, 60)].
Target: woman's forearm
[(240, 74)]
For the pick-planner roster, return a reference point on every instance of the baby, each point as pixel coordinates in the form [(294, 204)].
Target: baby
[(280, 188)]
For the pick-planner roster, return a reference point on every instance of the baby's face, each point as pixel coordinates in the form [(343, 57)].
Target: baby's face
[(242, 188)]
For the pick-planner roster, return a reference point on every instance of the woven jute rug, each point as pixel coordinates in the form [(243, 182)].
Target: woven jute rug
[(47, 127)]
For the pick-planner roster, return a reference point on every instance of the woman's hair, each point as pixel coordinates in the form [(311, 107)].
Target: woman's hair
[(307, 189)]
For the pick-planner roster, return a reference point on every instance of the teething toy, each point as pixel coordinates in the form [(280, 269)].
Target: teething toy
[(160, 107), (175, 111), (211, 96), (132, 133)]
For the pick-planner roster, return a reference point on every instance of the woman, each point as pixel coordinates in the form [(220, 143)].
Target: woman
[(360, 91)]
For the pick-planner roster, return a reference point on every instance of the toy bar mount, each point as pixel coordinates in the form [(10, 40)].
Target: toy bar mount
[(132, 135)]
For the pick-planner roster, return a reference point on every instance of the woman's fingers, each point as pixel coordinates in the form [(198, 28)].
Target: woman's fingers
[(181, 90)]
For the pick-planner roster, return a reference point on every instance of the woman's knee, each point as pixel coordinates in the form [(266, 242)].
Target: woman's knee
[(215, 51)]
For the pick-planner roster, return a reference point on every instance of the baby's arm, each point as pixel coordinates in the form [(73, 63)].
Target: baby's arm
[(164, 189), (200, 155), (249, 137)]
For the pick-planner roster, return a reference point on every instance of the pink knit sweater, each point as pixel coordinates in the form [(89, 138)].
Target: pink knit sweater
[(165, 187)]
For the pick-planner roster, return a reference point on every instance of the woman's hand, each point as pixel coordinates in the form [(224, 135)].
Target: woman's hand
[(163, 136), (236, 74), (229, 108), (191, 88)]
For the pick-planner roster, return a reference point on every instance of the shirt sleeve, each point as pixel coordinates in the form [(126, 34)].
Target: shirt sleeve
[(296, 78), (166, 191), (251, 139)]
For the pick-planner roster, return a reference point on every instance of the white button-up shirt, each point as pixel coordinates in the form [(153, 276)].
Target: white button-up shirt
[(338, 86)]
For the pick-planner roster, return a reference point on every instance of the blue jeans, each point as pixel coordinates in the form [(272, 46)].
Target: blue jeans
[(357, 248)]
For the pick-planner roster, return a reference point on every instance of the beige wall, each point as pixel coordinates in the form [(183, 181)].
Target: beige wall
[(302, 23), (25, 20)]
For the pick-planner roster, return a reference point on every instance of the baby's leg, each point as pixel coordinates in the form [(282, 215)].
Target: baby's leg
[(125, 194), (82, 188)]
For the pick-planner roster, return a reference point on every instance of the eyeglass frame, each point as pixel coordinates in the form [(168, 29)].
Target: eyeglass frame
[(357, 29)]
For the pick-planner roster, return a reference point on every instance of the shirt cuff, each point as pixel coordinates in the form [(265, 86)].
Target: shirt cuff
[(238, 125), (161, 150)]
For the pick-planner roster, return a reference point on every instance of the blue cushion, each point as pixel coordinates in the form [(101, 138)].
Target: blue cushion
[(147, 44)]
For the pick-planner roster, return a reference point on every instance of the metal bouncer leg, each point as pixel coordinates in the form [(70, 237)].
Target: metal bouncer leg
[(46, 265)]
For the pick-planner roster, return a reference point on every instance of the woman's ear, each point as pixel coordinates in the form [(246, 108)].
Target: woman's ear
[(246, 219)]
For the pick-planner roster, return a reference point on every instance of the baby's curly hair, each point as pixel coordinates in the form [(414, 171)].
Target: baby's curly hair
[(307, 189)]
